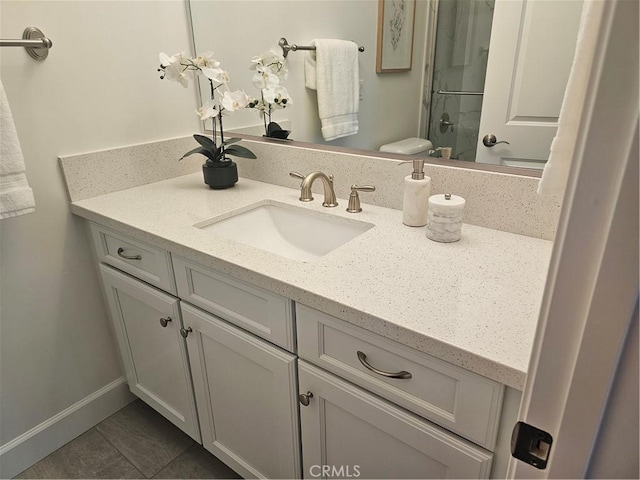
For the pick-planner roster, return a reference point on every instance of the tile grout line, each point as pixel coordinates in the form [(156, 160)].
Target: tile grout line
[(172, 461), (156, 472), (122, 454)]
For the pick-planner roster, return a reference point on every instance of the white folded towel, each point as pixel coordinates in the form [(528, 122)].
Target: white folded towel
[(556, 170), (16, 197), (332, 70)]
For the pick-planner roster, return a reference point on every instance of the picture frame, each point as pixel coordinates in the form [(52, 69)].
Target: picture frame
[(396, 21)]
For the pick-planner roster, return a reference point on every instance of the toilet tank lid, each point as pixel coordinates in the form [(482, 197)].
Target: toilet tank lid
[(408, 146)]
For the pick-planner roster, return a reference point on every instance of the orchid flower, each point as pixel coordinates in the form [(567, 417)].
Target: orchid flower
[(208, 110), (278, 96), (265, 79), (206, 60), (234, 101), (270, 72), (173, 69), (216, 74), (181, 68)]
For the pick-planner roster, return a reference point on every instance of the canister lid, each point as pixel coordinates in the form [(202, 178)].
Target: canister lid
[(443, 202)]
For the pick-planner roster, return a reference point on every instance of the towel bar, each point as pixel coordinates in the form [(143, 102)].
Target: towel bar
[(286, 47), (446, 92), (33, 41)]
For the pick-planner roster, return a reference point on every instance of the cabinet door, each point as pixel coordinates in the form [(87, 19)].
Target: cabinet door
[(348, 432), (154, 357), (246, 396)]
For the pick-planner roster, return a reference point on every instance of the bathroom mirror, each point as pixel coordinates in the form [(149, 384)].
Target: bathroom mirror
[(443, 97)]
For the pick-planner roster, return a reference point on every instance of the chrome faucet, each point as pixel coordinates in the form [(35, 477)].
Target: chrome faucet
[(307, 182)]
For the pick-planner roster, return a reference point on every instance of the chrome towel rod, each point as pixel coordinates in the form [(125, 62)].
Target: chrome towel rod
[(446, 92), (286, 47), (33, 41)]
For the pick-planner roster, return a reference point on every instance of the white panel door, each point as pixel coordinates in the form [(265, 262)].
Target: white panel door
[(153, 352), (348, 432), (530, 57), (592, 286), (246, 396)]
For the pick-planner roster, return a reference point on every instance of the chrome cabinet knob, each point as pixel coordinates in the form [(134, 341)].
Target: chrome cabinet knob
[(165, 321), (185, 331), (490, 140), (304, 398)]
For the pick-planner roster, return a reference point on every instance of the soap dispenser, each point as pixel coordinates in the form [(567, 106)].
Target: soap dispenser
[(417, 189)]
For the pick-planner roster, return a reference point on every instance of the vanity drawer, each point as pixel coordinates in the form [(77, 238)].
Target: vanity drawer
[(263, 313), (150, 264), (454, 398)]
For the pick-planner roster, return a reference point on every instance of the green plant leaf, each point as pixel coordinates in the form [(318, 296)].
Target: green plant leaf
[(239, 151), (200, 150), (217, 154), (231, 140), (205, 141)]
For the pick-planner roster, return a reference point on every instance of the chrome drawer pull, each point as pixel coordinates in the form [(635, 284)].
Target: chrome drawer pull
[(128, 257), (363, 360)]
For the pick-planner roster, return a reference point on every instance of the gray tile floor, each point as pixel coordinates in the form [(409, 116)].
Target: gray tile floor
[(136, 442)]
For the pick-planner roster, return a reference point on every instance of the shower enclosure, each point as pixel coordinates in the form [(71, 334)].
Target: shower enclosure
[(459, 64)]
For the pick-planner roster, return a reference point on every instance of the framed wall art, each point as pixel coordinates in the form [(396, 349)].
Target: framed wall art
[(395, 35)]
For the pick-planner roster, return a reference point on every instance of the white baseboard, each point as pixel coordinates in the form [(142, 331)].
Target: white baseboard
[(32, 446)]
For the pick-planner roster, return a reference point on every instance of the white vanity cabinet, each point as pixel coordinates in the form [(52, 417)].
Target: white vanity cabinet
[(253, 309), (454, 398), (277, 390), (147, 324), (243, 388), (246, 397), (343, 425), (150, 264), (348, 432)]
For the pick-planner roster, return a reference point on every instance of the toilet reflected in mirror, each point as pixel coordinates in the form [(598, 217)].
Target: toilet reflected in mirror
[(409, 146)]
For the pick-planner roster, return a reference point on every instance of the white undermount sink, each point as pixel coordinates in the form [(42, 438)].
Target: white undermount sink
[(292, 232)]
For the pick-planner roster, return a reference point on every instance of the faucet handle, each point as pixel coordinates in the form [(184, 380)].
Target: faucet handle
[(354, 199), (296, 175), (363, 188)]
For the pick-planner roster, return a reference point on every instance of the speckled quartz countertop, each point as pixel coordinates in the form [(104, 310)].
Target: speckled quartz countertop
[(473, 303)]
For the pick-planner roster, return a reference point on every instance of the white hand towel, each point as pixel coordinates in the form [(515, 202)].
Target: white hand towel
[(332, 70), (556, 170), (16, 197)]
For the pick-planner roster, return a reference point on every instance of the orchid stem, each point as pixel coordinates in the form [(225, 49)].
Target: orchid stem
[(213, 119), (264, 117)]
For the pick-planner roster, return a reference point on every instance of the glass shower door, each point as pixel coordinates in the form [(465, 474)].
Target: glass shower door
[(460, 64)]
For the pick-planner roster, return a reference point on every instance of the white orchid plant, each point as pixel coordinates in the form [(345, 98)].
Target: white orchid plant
[(182, 69), (270, 72)]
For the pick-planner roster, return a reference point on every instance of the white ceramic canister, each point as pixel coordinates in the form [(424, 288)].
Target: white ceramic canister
[(444, 219)]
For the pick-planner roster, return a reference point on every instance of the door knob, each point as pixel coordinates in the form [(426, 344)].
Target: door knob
[(445, 123), (490, 140)]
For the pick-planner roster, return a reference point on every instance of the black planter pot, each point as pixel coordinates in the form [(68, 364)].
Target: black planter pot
[(221, 175), (276, 132)]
